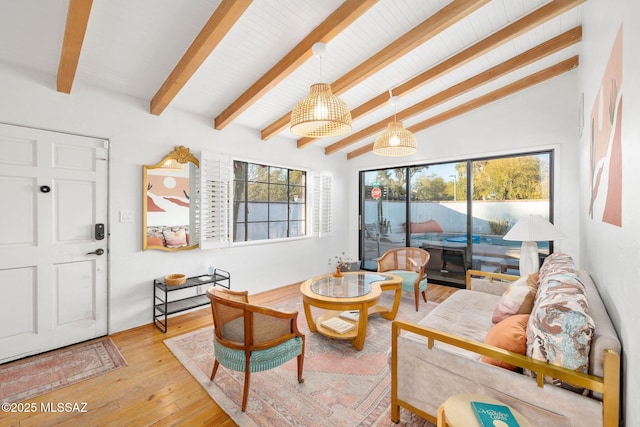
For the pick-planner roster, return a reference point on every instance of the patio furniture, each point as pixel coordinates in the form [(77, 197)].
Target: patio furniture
[(372, 232)]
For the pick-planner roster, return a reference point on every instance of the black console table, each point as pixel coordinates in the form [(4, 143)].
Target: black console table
[(162, 307)]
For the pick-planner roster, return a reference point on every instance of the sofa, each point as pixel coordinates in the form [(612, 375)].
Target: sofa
[(169, 236), (557, 361)]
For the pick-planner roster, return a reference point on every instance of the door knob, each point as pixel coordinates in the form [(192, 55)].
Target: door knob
[(98, 251)]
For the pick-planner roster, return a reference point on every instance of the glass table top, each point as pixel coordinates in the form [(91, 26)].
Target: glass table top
[(347, 286)]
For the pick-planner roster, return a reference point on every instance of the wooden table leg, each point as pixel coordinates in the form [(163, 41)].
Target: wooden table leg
[(390, 314), (309, 316), (363, 319)]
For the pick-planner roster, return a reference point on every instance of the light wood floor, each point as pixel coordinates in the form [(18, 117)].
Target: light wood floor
[(154, 389)]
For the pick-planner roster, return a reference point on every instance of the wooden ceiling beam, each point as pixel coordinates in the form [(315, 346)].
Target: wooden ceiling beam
[(510, 89), (508, 33), (335, 23), (530, 56), (75, 29), (218, 25), (431, 27)]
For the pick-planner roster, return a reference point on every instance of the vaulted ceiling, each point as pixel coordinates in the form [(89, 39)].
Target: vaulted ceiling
[(249, 62)]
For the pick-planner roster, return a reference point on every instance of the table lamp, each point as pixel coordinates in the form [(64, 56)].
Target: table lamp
[(529, 230)]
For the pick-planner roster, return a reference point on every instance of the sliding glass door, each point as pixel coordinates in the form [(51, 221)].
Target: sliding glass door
[(504, 190), (438, 212), (383, 213), (459, 220)]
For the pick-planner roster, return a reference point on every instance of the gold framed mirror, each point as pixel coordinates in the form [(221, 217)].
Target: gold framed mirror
[(168, 211)]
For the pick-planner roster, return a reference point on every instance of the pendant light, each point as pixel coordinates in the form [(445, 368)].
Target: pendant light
[(395, 140), (321, 113)]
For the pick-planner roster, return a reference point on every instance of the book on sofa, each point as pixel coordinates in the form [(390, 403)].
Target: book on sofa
[(492, 415), (338, 325)]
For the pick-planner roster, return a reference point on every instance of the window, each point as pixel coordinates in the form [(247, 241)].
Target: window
[(269, 202)]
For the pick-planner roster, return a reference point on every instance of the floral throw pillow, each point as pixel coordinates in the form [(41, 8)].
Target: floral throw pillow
[(560, 329)]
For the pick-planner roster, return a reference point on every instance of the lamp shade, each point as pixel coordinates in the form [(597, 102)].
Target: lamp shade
[(529, 230), (320, 114), (395, 141), (533, 228)]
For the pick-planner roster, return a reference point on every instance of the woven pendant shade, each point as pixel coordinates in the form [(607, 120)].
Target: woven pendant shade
[(320, 114), (395, 141)]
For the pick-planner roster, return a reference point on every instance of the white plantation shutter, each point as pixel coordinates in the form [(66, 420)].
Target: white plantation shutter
[(194, 203), (215, 184), (322, 210)]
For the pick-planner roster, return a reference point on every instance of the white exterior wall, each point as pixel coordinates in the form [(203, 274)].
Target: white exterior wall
[(446, 213)]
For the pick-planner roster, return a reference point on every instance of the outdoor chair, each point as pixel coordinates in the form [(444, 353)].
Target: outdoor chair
[(250, 338), (372, 232), (410, 264)]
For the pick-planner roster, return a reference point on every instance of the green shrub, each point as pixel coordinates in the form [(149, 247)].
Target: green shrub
[(499, 226)]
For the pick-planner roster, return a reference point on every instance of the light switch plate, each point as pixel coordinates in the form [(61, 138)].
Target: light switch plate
[(126, 216)]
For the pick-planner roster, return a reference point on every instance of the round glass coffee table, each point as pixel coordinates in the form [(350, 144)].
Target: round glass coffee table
[(357, 293)]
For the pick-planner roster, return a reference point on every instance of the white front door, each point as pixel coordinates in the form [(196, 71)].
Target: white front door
[(53, 280)]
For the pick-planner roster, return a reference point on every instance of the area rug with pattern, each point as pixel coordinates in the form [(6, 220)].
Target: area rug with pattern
[(342, 387), (35, 375)]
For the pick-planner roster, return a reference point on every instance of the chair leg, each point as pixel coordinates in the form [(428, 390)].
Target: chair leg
[(300, 363), (416, 295), (215, 369), (245, 392), (424, 296)]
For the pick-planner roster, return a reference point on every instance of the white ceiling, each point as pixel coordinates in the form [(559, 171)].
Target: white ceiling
[(131, 46)]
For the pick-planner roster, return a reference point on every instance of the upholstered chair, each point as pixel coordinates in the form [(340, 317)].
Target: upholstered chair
[(411, 265), (250, 338)]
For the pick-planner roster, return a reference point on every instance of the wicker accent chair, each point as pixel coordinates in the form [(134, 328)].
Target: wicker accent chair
[(411, 265), (250, 338)]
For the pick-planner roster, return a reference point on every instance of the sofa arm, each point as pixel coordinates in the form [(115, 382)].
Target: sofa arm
[(491, 283), (608, 385)]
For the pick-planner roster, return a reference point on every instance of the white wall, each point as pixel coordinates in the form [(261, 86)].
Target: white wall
[(611, 253), (541, 117), (137, 137)]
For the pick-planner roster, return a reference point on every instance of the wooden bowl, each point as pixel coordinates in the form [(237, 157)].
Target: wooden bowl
[(175, 279)]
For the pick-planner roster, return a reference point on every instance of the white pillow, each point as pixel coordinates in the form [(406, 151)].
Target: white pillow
[(517, 299)]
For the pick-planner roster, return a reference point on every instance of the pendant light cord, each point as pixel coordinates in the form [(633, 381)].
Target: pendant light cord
[(318, 50), (393, 101)]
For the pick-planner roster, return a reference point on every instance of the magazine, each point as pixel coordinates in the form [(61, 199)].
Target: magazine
[(351, 315), (492, 415), (338, 325)]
